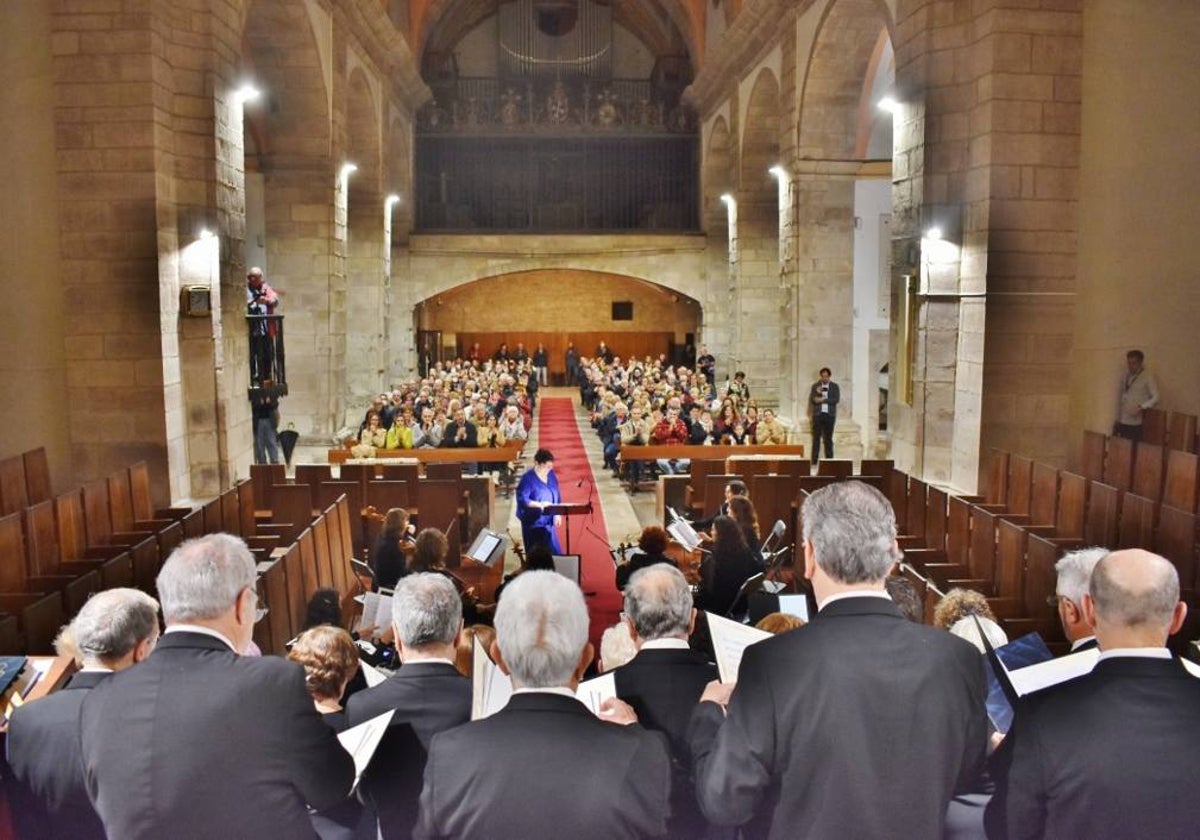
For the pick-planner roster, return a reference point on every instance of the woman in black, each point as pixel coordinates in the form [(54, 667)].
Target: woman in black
[(652, 545), (741, 511), (726, 568), (388, 557)]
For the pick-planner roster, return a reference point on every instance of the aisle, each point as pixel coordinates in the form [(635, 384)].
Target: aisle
[(559, 432)]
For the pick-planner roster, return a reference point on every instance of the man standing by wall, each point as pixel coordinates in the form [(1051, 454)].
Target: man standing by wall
[(823, 399), (1138, 392)]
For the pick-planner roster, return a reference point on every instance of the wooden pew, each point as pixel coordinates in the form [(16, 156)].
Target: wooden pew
[(1136, 526), (713, 494), (37, 476), (320, 534), (1043, 501), (1176, 540), (308, 563), (880, 467), (1179, 488), (297, 603), (313, 475), (1154, 426), (291, 504), (1103, 508), (385, 495), (1181, 432), (775, 498), (264, 477), (996, 492), (43, 559), (698, 473), (438, 502), (654, 452), (1148, 470), (1094, 444), (14, 495), (1118, 463), (280, 616), (837, 467), (143, 505)]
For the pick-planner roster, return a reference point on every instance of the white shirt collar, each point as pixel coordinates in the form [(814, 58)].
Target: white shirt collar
[(561, 691), (665, 644), (429, 660), (204, 631), (854, 593), (1078, 643), (1136, 653), (95, 669)]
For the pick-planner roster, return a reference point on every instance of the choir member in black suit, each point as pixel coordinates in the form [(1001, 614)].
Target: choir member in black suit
[(1111, 754), (199, 741), (545, 766), (1074, 571), (860, 724), (115, 629), (666, 678), (428, 694)]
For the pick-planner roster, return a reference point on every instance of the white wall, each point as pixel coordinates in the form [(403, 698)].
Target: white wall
[(256, 223), (872, 200)]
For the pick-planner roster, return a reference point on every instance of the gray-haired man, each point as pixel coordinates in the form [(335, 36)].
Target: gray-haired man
[(544, 766), (116, 629), (428, 694), (1074, 570), (198, 740)]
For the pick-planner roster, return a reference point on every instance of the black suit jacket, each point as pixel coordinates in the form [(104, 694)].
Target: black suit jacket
[(48, 794), (199, 742), (542, 767), (859, 725), (663, 687), (1108, 755), (428, 698)]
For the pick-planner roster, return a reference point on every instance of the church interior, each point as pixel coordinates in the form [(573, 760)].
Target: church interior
[(969, 210)]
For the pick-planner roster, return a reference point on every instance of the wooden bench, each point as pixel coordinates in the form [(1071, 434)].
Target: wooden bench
[(482, 454)]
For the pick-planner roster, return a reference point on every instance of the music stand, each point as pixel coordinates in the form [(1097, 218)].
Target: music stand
[(568, 565), (567, 510)]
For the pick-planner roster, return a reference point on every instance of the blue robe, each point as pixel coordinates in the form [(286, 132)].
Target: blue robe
[(537, 527)]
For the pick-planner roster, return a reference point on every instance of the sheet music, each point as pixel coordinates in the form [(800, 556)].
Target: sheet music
[(730, 641), (490, 687), (361, 741), (376, 611), (592, 693), (1052, 672), (684, 534), (1191, 667), (372, 674)]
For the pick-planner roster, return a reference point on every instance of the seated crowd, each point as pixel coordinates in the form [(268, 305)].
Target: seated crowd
[(649, 402), (460, 403), (862, 723)]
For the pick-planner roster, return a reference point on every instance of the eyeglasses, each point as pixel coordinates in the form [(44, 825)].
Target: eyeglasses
[(1052, 600)]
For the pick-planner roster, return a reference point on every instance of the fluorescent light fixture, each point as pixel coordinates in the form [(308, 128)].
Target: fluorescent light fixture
[(779, 172), (727, 198), (934, 234), (348, 169), (246, 93), (393, 199), (889, 104)]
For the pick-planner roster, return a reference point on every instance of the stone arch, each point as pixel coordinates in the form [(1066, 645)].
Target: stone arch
[(363, 147), (760, 141), (848, 39), (574, 300), (397, 179), (291, 124), (718, 177)]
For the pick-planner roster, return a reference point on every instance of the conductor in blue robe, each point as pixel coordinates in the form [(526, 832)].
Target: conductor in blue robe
[(537, 490)]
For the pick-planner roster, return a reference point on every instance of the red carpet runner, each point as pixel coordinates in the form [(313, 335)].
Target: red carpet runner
[(559, 432)]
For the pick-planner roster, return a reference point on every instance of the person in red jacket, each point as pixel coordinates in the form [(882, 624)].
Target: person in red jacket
[(669, 431)]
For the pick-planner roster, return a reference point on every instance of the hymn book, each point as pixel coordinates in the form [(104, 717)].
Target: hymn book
[(592, 693), (490, 687), (376, 612), (371, 674), (361, 741), (730, 640)]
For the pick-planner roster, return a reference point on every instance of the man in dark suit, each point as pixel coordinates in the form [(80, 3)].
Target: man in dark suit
[(823, 399), (198, 741), (115, 629), (1074, 570), (545, 766), (428, 694), (1112, 753), (860, 724), (666, 678)]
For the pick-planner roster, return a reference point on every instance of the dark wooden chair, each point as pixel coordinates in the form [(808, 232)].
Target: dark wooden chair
[(1176, 540), (1179, 487), (1094, 444), (1118, 463), (1181, 432), (837, 467), (1136, 526), (14, 495), (37, 476), (264, 477), (1100, 524), (1148, 470), (1154, 426)]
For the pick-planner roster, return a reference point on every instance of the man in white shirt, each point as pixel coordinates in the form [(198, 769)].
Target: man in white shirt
[(1112, 753), (1138, 392), (544, 765)]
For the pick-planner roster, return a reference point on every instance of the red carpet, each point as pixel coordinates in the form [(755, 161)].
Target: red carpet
[(559, 432)]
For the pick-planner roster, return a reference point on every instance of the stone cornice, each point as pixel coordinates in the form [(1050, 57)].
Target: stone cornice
[(389, 50), (753, 33)]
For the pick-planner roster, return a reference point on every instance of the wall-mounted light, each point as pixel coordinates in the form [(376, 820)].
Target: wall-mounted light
[(205, 233), (779, 172), (728, 200), (348, 169), (889, 104), (934, 234), (393, 200), (246, 93)]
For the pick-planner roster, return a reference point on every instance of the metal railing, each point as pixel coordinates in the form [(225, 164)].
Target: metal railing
[(267, 360)]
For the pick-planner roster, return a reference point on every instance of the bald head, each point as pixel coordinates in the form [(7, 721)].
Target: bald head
[(1134, 599), (658, 603)]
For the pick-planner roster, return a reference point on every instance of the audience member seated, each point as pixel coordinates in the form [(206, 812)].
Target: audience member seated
[(777, 622), (769, 431), (114, 630), (616, 648), (389, 555), (722, 572), (400, 433), (634, 432), (428, 694), (377, 406), (330, 660), (652, 547), (372, 437), (427, 433), (480, 776), (669, 431), (512, 426), (200, 737), (1112, 753), (665, 679), (809, 734)]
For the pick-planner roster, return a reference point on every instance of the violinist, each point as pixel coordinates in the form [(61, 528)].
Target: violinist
[(723, 572), (389, 554), (429, 555), (652, 548), (741, 511)]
